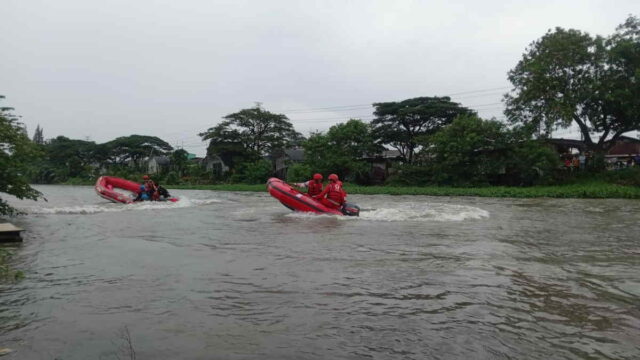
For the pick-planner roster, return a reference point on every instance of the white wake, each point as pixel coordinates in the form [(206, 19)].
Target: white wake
[(409, 212), (113, 207)]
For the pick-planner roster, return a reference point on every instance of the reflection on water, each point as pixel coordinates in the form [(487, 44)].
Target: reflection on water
[(237, 275)]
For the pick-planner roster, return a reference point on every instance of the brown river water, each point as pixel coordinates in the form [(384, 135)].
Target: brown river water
[(227, 275)]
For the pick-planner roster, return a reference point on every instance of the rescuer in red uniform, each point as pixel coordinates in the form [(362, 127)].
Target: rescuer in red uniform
[(333, 196), (314, 186)]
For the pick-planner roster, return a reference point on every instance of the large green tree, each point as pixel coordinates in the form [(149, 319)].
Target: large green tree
[(249, 134), (473, 151), (179, 161), (133, 148), (65, 158), (569, 76), (16, 154), (341, 150), (403, 124)]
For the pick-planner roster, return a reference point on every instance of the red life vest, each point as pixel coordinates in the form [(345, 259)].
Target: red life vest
[(335, 193), (314, 188)]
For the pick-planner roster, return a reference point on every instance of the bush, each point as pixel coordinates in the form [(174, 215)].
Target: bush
[(172, 178), (256, 172), (299, 173), (629, 176), (410, 174)]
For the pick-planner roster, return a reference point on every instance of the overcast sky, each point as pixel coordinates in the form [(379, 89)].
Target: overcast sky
[(103, 69)]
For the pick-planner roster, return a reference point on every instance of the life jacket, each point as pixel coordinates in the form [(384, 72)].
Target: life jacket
[(314, 188), (335, 193)]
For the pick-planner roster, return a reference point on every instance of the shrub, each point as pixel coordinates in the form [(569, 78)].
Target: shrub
[(172, 178), (299, 173), (256, 172)]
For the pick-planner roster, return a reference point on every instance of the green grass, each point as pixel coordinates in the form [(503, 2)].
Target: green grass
[(619, 185), (587, 190), (222, 187)]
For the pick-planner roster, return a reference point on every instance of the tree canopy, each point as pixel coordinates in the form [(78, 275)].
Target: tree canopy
[(473, 151), (133, 148), (38, 136), (402, 124), (249, 134), (569, 76), (341, 149), (66, 158), (16, 152)]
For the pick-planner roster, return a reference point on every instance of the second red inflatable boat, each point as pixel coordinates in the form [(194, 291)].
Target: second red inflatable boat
[(108, 186), (297, 201)]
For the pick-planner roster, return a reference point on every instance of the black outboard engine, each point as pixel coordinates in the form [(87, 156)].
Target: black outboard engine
[(350, 209)]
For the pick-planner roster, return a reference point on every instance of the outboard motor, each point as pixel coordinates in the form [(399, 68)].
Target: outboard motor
[(350, 209)]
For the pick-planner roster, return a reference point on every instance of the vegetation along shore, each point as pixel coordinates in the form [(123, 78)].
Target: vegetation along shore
[(587, 190)]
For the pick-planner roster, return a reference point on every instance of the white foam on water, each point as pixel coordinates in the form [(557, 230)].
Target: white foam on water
[(112, 207), (311, 215), (409, 212), (425, 212)]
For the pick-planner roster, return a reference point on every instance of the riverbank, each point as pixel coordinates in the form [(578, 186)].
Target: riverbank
[(592, 190), (596, 189)]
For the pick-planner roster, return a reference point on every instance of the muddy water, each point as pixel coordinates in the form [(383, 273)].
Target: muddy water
[(238, 276)]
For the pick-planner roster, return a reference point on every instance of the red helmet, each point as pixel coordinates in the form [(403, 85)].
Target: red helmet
[(317, 176), (333, 177), (146, 177)]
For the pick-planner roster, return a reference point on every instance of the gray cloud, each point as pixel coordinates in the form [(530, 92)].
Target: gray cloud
[(172, 69)]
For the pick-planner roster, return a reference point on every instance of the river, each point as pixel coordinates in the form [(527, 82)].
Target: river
[(228, 275)]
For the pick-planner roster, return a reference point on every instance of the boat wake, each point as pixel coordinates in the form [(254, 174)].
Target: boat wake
[(425, 212), (410, 212), (111, 207)]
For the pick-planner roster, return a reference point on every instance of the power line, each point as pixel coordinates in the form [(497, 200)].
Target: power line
[(352, 107)]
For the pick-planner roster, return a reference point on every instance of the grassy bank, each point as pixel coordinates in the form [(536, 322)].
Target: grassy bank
[(588, 188), (591, 190)]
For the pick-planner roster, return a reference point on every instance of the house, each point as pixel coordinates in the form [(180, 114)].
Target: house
[(158, 164), (624, 147), (282, 161), (567, 146), (382, 164), (214, 164)]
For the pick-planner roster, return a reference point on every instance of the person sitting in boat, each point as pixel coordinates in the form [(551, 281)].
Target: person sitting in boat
[(314, 186), (333, 196), (143, 195), (161, 193), (149, 184)]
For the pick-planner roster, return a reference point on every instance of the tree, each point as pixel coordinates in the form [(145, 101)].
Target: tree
[(179, 161), (38, 137), (249, 134), (67, 158), (16, 152), (568, 76), (132, 149), (402, 124), (473, 151), (341, 149)]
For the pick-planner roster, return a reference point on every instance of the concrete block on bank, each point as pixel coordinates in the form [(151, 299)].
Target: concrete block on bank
[(10, 233)]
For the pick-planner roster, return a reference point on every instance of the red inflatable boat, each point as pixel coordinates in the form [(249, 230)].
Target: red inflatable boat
[(108, 186), (297, 201)]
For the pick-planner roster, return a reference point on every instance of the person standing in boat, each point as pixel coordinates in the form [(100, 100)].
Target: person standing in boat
[(333, 196), (314, 186)]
